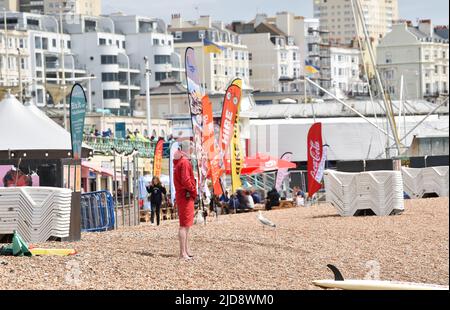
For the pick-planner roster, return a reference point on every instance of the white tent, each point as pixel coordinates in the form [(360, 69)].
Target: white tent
[(22, 129)]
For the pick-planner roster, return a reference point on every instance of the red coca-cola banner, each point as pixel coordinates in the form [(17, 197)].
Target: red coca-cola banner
[(316, 159)]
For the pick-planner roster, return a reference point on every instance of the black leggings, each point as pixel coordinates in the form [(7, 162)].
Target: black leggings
[(155, 208)]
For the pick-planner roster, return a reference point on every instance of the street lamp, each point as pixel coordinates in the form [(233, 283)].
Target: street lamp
[(148, 73)]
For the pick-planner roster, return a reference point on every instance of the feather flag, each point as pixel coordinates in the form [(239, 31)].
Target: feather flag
[(158, 157), (209, 145), (173, 149), (316, 159), (195, 94), (283, 173)]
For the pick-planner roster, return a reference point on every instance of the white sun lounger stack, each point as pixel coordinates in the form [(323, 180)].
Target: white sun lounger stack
[(36, 213), (421, 181), (381, 192)]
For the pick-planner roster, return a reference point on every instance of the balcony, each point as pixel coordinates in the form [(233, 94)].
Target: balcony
[(106, 145)]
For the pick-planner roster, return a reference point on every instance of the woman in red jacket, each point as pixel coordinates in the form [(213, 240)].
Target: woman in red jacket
[(186, 193)]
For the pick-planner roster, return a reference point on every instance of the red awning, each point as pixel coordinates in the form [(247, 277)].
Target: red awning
[(262, 163)]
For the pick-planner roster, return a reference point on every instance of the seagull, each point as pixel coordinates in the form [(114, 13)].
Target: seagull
[(265, 221)]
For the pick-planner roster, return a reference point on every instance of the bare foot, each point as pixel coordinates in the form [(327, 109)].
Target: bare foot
[(187, 258)]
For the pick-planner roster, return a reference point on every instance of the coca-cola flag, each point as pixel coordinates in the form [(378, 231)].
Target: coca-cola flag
[(316, 159)]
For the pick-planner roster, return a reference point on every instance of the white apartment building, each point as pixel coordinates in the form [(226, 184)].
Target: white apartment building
[(148, 37), (345, 71), (336, 16), (219, 68), (14, 57), (275, 62), (9, 5), (85, 7), (418, 53), (41, 58), (103, 54)]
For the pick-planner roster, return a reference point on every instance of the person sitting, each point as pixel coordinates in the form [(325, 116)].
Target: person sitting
[(243, 199), (273, 199), (251, 202), (233, 203), (256, 196)]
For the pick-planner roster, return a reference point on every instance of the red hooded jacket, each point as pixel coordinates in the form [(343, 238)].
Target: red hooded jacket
[(184, 181)]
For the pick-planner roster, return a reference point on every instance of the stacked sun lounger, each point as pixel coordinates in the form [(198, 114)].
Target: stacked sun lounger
[(36, 213), (419, 182), (359, 193)]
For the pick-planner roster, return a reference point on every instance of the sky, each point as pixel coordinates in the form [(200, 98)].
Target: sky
[(231, 10)]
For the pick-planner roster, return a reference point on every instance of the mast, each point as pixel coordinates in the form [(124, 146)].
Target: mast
[(386, 99)]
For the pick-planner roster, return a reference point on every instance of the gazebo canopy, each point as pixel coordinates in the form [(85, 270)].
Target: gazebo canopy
[(26, 132)]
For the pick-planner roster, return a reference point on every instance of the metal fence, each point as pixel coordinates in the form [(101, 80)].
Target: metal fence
[(97, 212)]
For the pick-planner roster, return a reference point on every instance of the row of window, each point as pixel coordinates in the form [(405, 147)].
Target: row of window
[(43, 43), (119, 44), (11, 64), (14, 42)]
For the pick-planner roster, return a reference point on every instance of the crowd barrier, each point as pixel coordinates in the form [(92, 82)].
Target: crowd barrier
[(97, 212)]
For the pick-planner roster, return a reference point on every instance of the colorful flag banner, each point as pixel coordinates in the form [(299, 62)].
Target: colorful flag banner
[(310, 67), (316, 159), (173, 149), (158, 157), (195, 94), (209, 144), (78, 104), (283, 173), (230, 109), (211, 47), (237, 160)]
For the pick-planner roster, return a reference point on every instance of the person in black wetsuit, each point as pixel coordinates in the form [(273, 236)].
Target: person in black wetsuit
[(156, 193)]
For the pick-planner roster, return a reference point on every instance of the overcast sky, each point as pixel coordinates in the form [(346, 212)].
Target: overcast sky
[(229, 10)]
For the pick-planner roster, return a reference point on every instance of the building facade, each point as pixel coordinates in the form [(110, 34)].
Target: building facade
[(102, 52), (218, 69), (9, 5), (336, 16), (274, 58), (419, 54), (84, 7), (148, 37), (41, 56), (345, 71)]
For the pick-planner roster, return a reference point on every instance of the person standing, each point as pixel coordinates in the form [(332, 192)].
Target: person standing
[(186, 194), (156, 194)]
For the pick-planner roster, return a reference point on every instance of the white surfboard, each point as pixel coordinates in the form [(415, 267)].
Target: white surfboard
[(371, 285), (365, 285)]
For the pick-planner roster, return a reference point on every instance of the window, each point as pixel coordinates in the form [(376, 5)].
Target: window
[(155, 42), (23, 63), (111, 94), (38, 57), (109, 60), (341, 72), (102, 41), (250, 56), (40, 95), (110, 77), (294, 56), (178, 35), (38, 42), (124, 45), (45, 43), (54, 43), (162, 59), (201, 34), (251, 72), (444, 70), (436, 69), (159, 76)]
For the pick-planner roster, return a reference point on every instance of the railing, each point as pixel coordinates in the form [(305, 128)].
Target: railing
[(106, 146), (97, 212)]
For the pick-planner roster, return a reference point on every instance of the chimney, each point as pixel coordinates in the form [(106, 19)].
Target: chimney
[(260, 18), (426, 27), (177, 22), (205, 21)]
